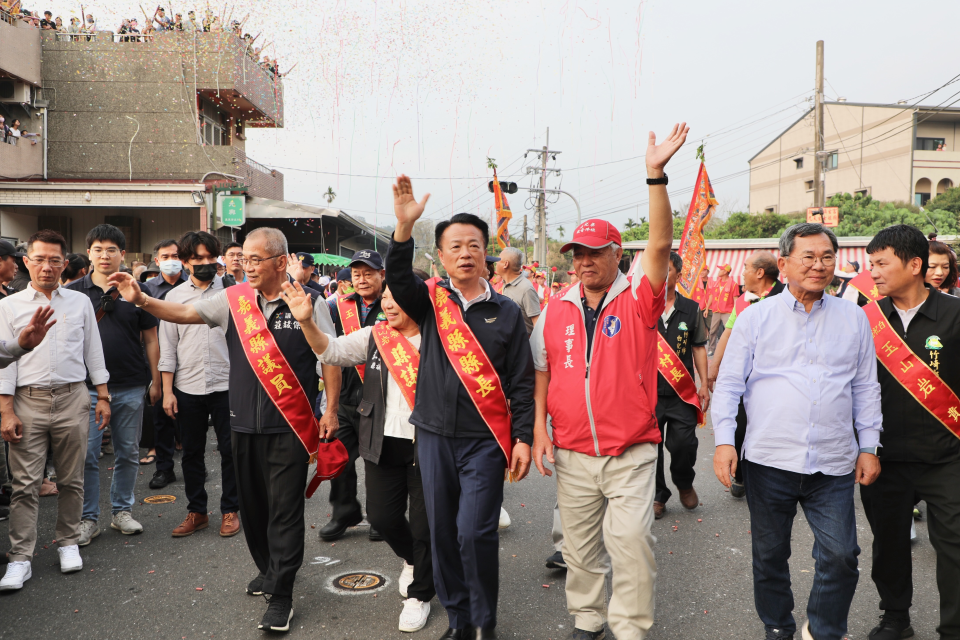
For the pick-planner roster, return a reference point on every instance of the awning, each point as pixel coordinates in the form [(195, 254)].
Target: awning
[(327, 259)]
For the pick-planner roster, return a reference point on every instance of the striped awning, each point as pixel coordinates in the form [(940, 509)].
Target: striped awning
[(736, 257)]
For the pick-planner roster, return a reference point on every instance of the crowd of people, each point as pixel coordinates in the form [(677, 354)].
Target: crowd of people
[(447, 387), (131, 29)]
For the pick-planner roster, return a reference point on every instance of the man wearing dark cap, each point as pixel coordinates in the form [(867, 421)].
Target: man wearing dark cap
[(351, 312), (309, 268), (850, 271), (344, 286), (9, 257)]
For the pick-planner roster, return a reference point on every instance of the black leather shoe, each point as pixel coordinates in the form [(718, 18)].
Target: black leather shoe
[(335, 529), (375, 536), (467, 633), (486, 634), (162, 478), (893, 626)]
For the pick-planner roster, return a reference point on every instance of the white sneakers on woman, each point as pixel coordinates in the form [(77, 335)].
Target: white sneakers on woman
[(414, 615)]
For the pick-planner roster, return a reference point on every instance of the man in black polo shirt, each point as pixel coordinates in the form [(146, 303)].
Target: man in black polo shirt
[(681, 325), (166, 255), (919, 449), (129, 332), (461, 461), (367, 275), (9, 256)]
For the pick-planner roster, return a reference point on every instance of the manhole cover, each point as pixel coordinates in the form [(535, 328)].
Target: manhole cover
[(358, 581), (159, 499)]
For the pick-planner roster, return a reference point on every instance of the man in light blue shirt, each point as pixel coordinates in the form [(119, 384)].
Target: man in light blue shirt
[(805, 365)]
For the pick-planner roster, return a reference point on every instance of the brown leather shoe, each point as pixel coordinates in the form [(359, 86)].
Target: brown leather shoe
[(689, 498), (230, 525), (658, 509), (193, 522)]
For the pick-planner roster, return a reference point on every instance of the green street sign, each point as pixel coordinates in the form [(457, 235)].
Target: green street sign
[(231, 212)]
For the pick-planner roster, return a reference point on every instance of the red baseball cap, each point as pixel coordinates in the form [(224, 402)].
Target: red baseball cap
[(595, 234)]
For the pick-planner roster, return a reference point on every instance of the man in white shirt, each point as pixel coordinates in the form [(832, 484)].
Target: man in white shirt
[(44, 402), (195, 368)]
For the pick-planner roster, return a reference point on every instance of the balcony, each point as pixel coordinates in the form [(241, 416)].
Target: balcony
[(19, 50), (261, 181), (213, 64), (23, 160)]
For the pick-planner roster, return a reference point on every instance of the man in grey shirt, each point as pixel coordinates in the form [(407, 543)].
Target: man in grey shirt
[(270, 460), (518, 288)]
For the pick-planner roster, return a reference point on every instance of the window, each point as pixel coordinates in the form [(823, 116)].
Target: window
[(863, 193), (772, 209), (830, 161), (213, 132), (809, 185), (798, 162), (930, 144)]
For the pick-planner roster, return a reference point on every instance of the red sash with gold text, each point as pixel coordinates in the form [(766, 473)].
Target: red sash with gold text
[(350, 321), (675, 373), (911, 372), (473, 366), (272, 370), (401, 357)]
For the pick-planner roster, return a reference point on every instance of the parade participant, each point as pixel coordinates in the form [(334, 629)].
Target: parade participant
[(308, 268), (942, 268), (130, 333), (352, 312), (195, 368), (167, 259), (605, 432), (473, 411), (491, 262), (760, 280), (516, 287), (44, 402), (916, 330), (271, 446), (390, 352), (848, 273), (706, 299), (799, 447), (679, 402), (725, 292), (344, 287), (233, 256)]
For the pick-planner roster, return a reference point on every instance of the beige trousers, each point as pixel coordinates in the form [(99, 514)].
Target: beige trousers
[(59, 417), (608, 501)]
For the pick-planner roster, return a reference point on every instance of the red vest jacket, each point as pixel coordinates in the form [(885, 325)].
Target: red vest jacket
[(606, 405)]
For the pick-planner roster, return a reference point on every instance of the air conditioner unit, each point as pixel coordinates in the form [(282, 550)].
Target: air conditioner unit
[(14, 91)]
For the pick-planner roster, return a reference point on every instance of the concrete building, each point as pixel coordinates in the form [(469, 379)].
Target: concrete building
[(891, 152)]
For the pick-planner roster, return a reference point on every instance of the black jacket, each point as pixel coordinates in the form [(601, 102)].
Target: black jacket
[(351, 387), (687, 315), (443, 405), (910, 432), (372, 408)]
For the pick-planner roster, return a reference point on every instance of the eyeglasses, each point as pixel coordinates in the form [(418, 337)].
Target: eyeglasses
[(255, 261), (808, 261), (112, 252), (56, 263)]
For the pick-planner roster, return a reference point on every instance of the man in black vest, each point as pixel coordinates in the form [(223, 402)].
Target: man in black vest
[(919, 453), (271, 462), (681, 325), (367, 276), (760, 281)]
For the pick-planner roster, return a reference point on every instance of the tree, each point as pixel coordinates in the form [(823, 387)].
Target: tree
[(864, 216), (752, 225), (330, 195), (949, 200), (630, 224), (560, 231)]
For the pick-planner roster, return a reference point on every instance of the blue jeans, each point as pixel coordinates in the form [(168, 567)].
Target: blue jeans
[(126, 419), (827, 501)]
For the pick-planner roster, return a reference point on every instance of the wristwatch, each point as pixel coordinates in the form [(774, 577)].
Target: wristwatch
[(872, 450), (663, 180), (109, 397)]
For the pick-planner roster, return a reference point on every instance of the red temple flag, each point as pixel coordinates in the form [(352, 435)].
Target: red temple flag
[(503, 213), (693, 249)]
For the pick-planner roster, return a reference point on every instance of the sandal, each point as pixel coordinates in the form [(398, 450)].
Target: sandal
[(150, 458)]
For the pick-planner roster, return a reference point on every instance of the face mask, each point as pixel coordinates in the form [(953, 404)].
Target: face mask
[(204, 272), (171, 267)]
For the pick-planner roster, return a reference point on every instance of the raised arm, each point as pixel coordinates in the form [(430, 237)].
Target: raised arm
[(170, 311), (407, 289), (657, 253)]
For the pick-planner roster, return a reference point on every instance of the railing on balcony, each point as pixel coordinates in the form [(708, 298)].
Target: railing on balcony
[(259, 167)]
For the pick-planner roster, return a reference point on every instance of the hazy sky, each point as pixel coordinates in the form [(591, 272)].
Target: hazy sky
[(432, 88)]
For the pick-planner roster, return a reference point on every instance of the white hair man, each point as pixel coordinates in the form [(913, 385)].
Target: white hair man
[(516, 287)]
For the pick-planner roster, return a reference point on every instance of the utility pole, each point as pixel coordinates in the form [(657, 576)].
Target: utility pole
[(525, 237), (818, 131), (540, 236)]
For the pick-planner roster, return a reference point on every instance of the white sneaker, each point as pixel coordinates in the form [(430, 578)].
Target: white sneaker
[(406, 578), (70, 559), (504, 519), (17, 573), (913, 530), (88, 531), (125, 524), (414, 615)]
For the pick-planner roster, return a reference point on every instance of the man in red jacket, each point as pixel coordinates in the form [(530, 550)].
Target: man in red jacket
[(725, 293), (595, 351)]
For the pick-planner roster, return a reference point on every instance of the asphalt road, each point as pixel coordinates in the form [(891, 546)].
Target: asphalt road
[(156, 586)]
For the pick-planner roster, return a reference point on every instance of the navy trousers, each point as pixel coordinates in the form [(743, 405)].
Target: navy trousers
[(463, 491)]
